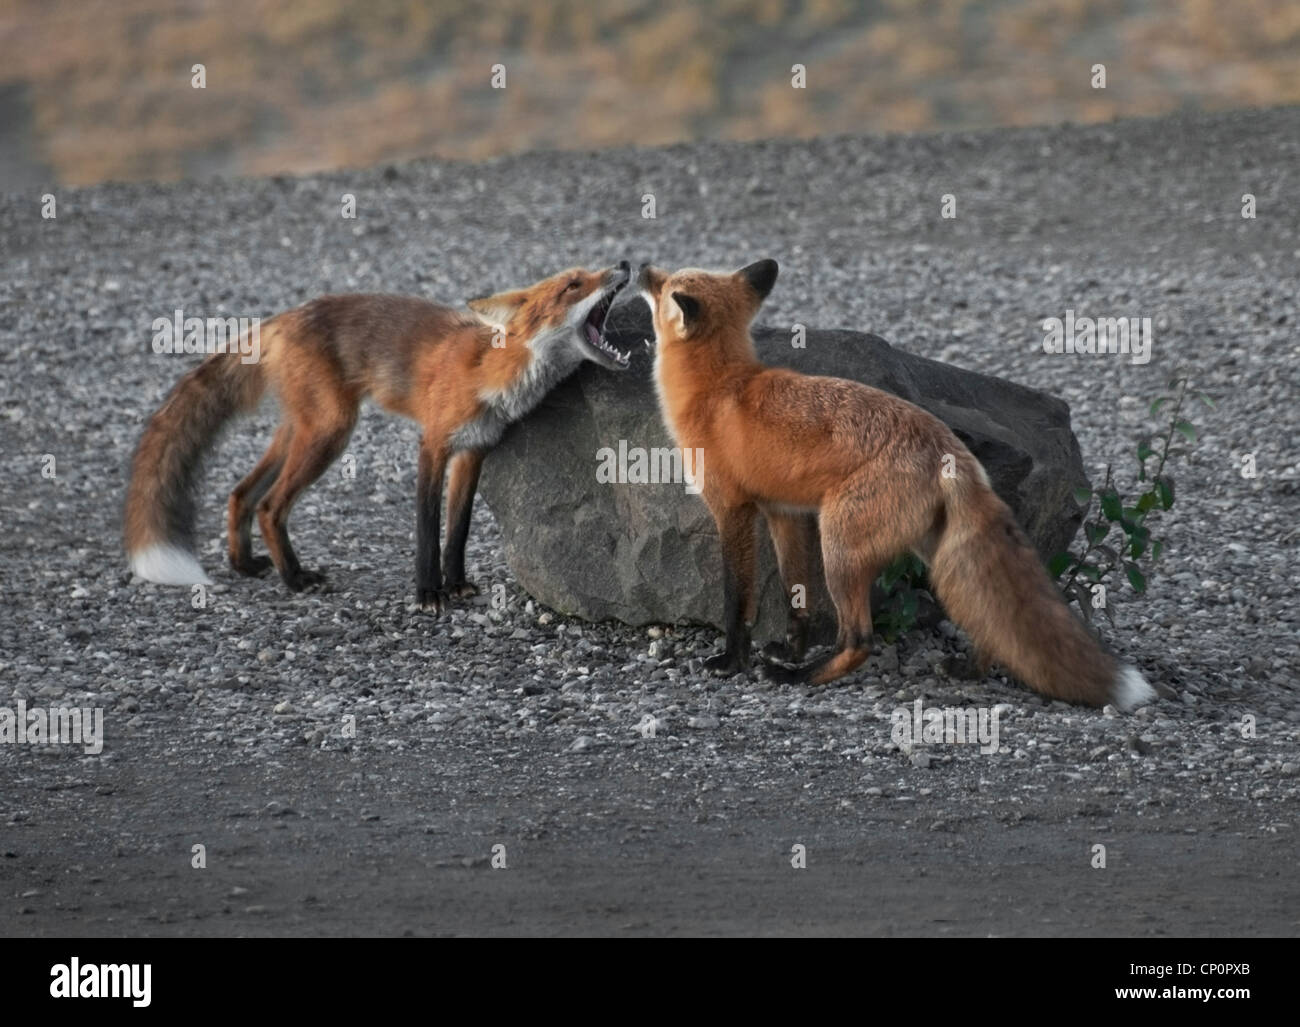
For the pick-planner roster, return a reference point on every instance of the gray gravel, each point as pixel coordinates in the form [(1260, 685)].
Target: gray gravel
[(226, 725)]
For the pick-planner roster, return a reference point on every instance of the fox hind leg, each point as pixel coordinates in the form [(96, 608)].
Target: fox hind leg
[(862, 530), (243, 501), (310, 451), (849, 583)]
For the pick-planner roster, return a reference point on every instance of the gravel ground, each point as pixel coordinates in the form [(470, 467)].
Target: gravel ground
[(226, 725)]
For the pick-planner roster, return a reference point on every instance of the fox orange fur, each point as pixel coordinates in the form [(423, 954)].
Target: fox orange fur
[(464, 376), (867, 465)]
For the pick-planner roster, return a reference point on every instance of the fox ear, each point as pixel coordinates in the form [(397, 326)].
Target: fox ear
[(690, 308), (761, 276), (498, 309)]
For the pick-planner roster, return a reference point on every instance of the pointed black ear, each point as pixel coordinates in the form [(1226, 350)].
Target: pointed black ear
[(690, 308), (761, 276)]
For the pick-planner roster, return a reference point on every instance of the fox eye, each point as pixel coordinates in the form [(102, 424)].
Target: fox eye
[(572, 285)]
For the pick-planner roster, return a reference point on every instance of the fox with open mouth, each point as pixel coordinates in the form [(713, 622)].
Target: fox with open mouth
[(463, 375)]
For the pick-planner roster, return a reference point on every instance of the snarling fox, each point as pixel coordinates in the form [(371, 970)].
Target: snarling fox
[(877, 475), (463, 375)]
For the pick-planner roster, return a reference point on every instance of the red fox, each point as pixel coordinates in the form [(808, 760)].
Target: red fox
[(870, 467), (464, 377)]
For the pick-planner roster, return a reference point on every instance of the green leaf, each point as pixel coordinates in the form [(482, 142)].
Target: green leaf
[(1144, 449), (1110, 505), (1157, 547), (1206, 400), (890, 575), (1165, 490), (1057, 564), (1090, 571), (1157, 404), (1095, 531), (1186, 429), (1135, 577), (1083, 496), (1147, 501)]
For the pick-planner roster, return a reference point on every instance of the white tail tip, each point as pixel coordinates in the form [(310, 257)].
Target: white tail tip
[(1131, 689), (168, 565)]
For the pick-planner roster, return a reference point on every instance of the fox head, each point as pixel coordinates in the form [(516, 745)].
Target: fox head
[(565, 312), (693, 307)]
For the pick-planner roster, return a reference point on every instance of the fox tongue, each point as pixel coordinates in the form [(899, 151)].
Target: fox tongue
[(593, 334)]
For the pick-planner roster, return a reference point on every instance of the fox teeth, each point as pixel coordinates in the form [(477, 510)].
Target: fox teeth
[(595, 328), (599, 341), (612, 350)]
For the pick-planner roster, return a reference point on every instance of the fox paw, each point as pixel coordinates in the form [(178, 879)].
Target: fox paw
[(463, 589), (782, 674), (784, 652), (253, 566), (302, 580), (725, 664), (433, 600)]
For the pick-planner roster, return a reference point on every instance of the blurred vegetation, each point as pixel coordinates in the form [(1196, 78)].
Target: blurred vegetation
[(100, 89)]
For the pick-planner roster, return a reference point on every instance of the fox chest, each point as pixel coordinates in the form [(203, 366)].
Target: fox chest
[(501, 407)]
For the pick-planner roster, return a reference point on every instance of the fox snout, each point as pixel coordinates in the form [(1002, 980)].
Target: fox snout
[(649, 281)]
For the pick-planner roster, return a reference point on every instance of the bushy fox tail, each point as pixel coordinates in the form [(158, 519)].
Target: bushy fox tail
[(991, 582), (158, 524)]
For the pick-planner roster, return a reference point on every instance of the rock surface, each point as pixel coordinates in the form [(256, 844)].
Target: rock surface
[(642, 552)]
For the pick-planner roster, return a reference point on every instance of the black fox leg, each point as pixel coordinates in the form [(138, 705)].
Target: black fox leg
[(428, 574), (461, 486), (736, 529)]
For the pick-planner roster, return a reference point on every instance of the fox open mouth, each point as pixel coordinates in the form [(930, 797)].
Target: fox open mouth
[(593, 328)]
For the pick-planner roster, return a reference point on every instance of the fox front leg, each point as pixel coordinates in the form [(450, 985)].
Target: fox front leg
[(736, 530), (461, 485), (794, 538), (429, 591)]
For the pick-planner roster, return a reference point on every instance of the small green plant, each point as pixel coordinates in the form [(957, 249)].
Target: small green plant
[(902, 582), (1133, 549)]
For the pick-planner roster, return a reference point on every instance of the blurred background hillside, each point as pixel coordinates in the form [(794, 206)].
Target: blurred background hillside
[(92, 90)]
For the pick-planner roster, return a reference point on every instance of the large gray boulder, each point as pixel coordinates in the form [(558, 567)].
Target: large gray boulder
[(648, 553)]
